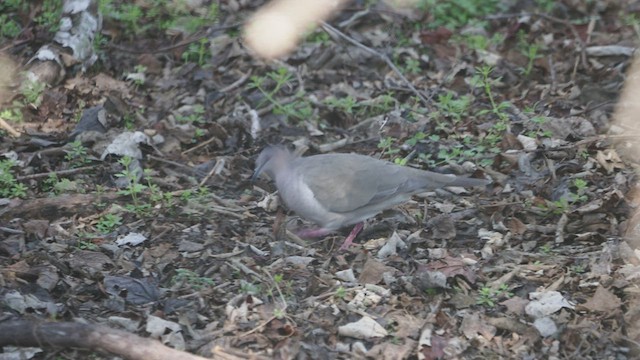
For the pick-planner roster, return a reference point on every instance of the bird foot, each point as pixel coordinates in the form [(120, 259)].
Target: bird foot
[(352, 235), (316, 233), (312, 233)]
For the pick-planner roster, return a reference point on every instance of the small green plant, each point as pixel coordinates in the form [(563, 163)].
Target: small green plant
[(157, 16), (386, 145), (456, 109), (14, 5), (488, 296), (545, 249), (298, 108), (138, 76), (346, 104), (584, 154), (32, 91), (195, 194), (129, 121), (194, 280), (130, 15), (318, 36), (9, 28), (454, 14), (280, 283), (381, 105), (198, 134), (545, 5), (157, 196), (177, 16), (483, 80), (431, 291), (77, 155), (99, 44), (49, 17), (538, 121), (415, 138), (187, 195), (573, 198), (250, 288), (86, 245), (503, 291), (196, 117), (108, 223), (197, 52), (482, 42), (279, 313), (411, 142), (578, 268), (340, 293), (60, 186), (529, 50), (50, 182), (580, 184), (9, 185), (581, 188), (477, 41), (412, 66), (349, 105), (633, 21), (13, 114), (134, 187), (557, 207)]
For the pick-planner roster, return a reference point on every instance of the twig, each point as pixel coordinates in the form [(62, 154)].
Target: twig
[(5, 125), (583, 47), (236, 83), (200, 145), (267, 321), (564, 219), (584, 141), (186, 42), (552, 74), (10, 231), (331, 30), (60, 172), (29, 333), (583, 56), (216, 170), (152, 157)]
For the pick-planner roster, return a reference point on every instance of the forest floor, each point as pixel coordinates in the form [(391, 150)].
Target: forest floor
[(173, 242)]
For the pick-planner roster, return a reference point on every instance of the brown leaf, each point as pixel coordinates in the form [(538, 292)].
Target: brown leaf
[(516, 226), (515, 305), (473, 326), (510, 142), (451, 267), (372, 272), (603, 301), (437, 36)]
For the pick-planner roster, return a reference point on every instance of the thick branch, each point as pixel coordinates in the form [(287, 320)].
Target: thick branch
[(91, 337)]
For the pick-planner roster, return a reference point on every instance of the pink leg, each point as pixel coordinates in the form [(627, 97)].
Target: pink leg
[(352, 235), (312, 233)]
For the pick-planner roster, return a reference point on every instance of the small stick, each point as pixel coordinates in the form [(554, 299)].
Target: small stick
[(331, 30)]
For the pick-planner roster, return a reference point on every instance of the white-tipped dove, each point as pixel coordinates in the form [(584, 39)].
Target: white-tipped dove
[(336, 190)]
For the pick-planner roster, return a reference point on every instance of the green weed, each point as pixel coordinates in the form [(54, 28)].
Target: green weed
[(9, 185), (108, 223)]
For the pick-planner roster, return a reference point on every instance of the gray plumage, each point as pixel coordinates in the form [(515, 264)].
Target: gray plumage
[(336, 190)]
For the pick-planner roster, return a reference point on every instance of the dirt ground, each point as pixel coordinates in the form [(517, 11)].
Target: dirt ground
[(128, 204)]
